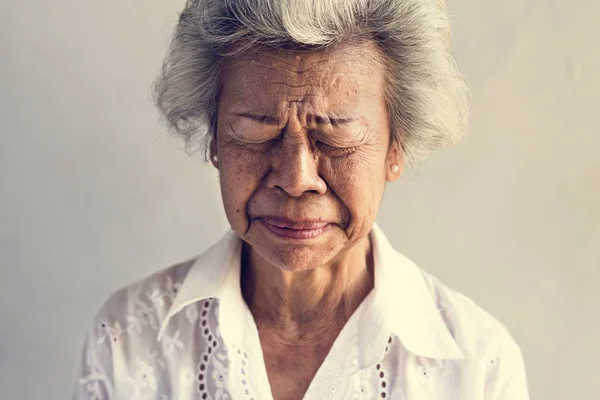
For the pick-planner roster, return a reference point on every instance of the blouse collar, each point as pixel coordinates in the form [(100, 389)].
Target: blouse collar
[(401, 303)]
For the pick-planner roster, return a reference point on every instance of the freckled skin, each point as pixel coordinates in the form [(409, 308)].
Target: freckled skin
[(295, 167), (304, 135)]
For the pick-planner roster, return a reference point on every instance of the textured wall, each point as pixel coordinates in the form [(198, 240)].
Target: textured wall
[(93, 195)]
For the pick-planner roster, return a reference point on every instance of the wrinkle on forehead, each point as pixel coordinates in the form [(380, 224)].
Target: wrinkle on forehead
[(323, 81), (355, 59)]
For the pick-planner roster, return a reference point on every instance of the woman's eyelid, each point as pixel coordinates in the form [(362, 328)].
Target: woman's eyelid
[(252, 131), (255, 132), (332, 140)]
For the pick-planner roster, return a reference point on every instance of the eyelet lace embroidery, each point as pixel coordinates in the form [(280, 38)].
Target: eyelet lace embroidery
[(213, 356)]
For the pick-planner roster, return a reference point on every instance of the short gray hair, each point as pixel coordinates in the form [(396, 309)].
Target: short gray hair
[(428, 99)]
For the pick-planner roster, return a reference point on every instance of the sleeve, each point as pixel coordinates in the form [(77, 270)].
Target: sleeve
[(506, 377), (95, 373)]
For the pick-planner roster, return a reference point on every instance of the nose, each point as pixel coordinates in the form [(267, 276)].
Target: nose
[(295, 169)]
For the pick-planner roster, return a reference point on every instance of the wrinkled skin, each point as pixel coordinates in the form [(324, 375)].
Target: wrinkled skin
[(294, 162), (304, 135)]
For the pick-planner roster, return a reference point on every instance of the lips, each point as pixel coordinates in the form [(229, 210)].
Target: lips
[(293, 224), (295, 229)]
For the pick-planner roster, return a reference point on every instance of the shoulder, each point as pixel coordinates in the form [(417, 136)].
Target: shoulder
[(142, 304), (471, 326), (487, 344), (124, 331)]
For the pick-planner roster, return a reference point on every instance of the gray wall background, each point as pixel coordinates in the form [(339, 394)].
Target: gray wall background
[(94, 195)]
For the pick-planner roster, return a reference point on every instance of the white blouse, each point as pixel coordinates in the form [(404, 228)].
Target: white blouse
[(186, 333)]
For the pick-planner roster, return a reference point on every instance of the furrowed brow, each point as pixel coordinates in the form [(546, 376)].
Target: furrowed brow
[(328, 120), (265, 119)]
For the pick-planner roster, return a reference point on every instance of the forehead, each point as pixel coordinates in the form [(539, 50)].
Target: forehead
[(332, 78)]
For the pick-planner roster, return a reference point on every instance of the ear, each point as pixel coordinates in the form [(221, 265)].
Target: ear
[(214, 158), (394, 165)]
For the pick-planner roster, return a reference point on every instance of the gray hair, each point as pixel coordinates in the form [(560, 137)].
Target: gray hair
[(428, 99)]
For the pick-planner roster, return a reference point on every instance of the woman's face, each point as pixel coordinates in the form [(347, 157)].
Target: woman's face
[(303, 150)]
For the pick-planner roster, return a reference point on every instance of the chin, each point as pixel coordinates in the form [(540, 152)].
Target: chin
[(295, 259), (294, 255)]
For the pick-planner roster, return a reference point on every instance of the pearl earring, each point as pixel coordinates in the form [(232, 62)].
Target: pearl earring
[(395, 168), (215, 158)]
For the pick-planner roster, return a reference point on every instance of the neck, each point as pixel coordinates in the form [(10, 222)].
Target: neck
[(307, 305)]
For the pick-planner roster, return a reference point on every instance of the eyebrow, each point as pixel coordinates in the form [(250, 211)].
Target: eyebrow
[(319, 119), (326, 120), (265, 119)]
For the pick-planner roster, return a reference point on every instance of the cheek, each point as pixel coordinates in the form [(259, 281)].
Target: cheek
[(239, 177), (358, 182)]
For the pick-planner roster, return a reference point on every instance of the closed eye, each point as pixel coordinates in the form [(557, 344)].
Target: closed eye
[(265, 140), (263, 119), (335, 151)]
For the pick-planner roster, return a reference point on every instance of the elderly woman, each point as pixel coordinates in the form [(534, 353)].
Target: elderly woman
[(309, 109)]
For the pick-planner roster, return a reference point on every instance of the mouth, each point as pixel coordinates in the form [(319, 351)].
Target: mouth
[(294, 229)]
